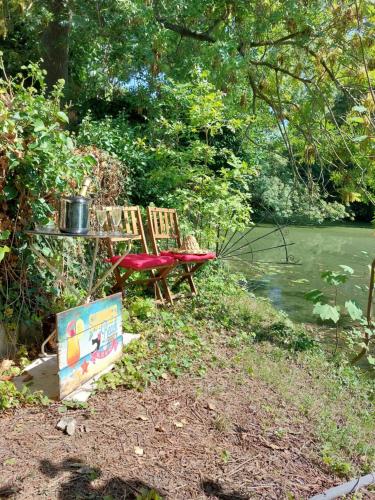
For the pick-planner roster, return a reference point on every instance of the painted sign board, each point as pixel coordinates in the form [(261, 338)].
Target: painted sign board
[(89, 340)]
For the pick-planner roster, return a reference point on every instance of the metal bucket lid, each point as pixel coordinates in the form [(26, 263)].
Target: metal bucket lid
[(77, 199)]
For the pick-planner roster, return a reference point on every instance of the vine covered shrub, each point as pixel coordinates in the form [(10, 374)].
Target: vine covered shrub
[(119, 139), (37, 162)]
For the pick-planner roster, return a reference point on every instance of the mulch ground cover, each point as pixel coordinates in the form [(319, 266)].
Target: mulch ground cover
[(224, 436)]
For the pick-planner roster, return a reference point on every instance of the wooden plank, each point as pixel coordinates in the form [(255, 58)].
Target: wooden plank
[(135, 229), (161, 221), (155, 223), (173, 227), (166, 222), (126, 219)]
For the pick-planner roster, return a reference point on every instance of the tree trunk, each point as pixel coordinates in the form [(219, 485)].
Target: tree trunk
[(55, 43)]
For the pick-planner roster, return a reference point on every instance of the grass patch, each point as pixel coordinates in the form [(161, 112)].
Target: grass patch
[(338, 400)]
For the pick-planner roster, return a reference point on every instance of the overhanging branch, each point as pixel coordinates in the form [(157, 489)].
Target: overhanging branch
[(280, 69), (187, 32)]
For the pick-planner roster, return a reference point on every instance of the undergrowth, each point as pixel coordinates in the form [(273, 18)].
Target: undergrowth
[(336, 398), (181, 339), (11, 397)]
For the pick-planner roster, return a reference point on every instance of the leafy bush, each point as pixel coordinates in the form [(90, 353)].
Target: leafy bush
[(293, 202), (120, 139), (142, 308), (10, 397), (185, 156), (37, 162)]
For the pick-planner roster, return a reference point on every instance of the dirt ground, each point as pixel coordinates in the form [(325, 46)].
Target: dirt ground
[(224, 436)]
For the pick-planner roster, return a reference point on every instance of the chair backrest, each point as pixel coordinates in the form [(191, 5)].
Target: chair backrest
[(162, 225), (132, 223)]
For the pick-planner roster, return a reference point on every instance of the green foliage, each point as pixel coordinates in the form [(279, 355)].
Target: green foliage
[(119, 138), (190, 169), (10, 397), (146, 494), (38, 151), (159, 354), (178, 157), (282, 63), (142, 308), (327, 307), (336, 398), (291, 201), (326, 311), (340, 467), (287, 335), (354, 311), (38, 164)]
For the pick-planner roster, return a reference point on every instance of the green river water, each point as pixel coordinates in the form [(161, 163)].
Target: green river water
[(315, 249)]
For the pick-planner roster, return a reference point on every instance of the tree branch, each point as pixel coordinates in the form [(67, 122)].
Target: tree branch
[(186, 32), (282, 70), (258, 93), (325, 66), (278, 41), (205, 36)]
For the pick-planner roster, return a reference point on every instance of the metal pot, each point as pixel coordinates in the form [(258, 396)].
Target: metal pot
[(74, 214)]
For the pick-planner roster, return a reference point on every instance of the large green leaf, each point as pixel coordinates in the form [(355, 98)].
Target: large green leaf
[(90, 160), (39, 125), (3, 251), (354, 311), (327, 312), (333, 278), (314, 295), (63, 117), (4, 235), (347, 269)]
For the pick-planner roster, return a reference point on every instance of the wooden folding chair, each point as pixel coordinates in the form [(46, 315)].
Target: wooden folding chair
[(158, 266), (163, 225)]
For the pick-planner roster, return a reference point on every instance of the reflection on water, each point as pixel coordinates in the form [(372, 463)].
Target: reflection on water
[(316, 249)]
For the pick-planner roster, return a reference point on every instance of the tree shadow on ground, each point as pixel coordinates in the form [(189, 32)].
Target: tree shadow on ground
[(212, 489), (79, 484)]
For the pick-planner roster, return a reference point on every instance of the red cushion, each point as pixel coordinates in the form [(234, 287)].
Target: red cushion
[(142, 261), (190, 257)]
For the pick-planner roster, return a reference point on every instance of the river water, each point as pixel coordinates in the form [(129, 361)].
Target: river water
[(315, 249)]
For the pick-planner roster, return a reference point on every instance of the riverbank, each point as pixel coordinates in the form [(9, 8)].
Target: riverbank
[(235, 400)]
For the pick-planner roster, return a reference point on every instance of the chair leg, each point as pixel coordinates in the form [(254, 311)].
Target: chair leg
[(121, 283), (117, 273), (190, 280), (187, 275), (167, 290), (161, 276), (158, 292)]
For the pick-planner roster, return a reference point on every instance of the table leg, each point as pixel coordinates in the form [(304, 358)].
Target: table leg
[(53, 270), (112, 268), (93, 267)]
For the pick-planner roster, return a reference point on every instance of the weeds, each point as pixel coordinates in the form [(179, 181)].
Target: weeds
[(11, 397), (221, 423)]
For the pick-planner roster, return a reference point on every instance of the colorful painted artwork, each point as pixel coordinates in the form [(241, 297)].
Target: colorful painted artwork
[(89, 340)]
